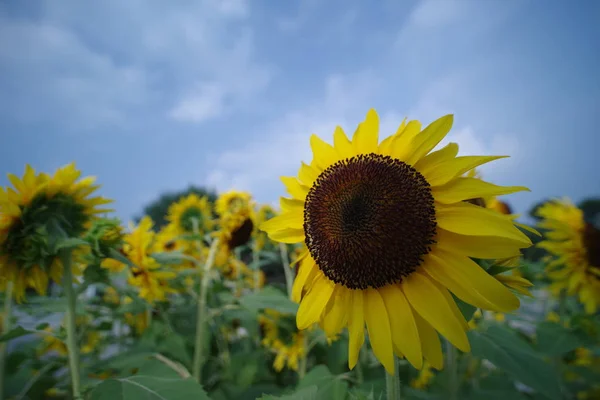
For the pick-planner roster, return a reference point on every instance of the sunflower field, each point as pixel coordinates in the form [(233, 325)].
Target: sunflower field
[(390, 270)]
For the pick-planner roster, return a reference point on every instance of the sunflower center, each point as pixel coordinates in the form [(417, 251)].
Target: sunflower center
[(32, 239), (369, 220), (241, 235), (187, 217), (591, 241)]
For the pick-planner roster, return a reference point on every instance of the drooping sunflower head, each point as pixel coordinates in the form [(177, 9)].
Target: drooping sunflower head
[(575, 245), (236, 218), (389, 235), (185, 211), (35, 214)]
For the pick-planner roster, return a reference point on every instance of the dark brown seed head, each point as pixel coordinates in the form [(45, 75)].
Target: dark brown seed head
[(591, 241), (369, 220)]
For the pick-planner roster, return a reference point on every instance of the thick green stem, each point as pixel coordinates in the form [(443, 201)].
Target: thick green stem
[(72, 346), (392, 383), (289, 279), (6, 324), (201, 312), (452, 371)]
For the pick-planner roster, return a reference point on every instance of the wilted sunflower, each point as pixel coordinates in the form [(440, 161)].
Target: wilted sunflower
[(388, 233), (37, 211), (576, 245), (145, 273), (184, 211), (236, 221)]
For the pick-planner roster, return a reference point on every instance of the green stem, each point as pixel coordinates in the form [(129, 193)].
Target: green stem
[(256, 269), (392, 383), (34, 379), (6, 323), (289, 280), (72, 346), (452, 368), (201, 312), (303, 360)]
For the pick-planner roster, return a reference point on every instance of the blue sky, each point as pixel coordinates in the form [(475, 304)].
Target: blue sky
[(150, 96)]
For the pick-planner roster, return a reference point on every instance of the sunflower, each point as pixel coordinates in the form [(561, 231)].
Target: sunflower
[(575, 244), (389, 236), (183, 212), (145, 274), (37, 211), (89, 341), (282, 339), (236, 220)]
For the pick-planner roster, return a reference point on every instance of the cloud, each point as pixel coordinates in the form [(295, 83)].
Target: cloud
[(118, 64)]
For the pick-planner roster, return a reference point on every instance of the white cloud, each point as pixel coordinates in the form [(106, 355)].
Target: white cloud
[(208, 102)]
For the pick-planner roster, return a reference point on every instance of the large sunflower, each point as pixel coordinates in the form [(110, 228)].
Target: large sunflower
[(576, 245), (389, 236), (34, 213)]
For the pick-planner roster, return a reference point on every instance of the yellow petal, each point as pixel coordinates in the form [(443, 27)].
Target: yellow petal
[(455, 310), (401, 146), (472, 220), (378, 326), (429, 162), (306, 273), (430, 342), (291, 219), (356, 327), (337, 316), (307, 174), (427, 300), (294, 187), (443, 172), (425, 141), (405, 334), (461, 189), (313, 304), (366, 137), (290, 204), (287, 235), (385, 147), (486, 247), (324, 153), (342, 144), (474, 280)]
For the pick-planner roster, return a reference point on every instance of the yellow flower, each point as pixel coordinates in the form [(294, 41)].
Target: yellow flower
[(36, 207), (236, 221), (111, 296), (424, 379), (145, 274), (576, 247), (389, 236), (90, 341), (139, 322), (183, 212), (288, 347)]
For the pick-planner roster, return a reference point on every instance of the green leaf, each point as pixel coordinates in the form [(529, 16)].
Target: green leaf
[(271, 298), (517, 358), (329, 386), (15, 333), (120, 257), (149, 388), (172, 257), (70, 243), (554, 339), (42, 326), (498, 269), (308, 393)]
